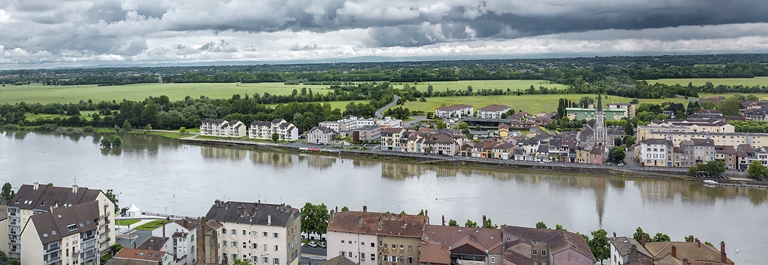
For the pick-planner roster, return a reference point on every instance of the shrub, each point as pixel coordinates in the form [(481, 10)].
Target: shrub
[(88, 129)]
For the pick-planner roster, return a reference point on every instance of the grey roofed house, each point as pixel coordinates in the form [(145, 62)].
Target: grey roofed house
[(53, 226), (623, 245), (214, 121), (153, 243), (261, 123), (278, 120), (42, 197), (338, 260), (251, 213)]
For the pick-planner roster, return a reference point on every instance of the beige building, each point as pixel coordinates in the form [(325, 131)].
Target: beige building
[(492, 111), (629, 109), (263, 130), (222, 128), (662, 129), (64, 235), (256, 232), (321, 135), (36, 199), (390, 139), (375, 238)]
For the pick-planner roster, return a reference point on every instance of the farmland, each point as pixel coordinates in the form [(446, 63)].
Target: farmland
[(513, 85), (749, 82)]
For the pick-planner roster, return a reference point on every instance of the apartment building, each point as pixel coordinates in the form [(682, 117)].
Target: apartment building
[(181, 235), (375, 238), (492, 111), (321, 135), (629, 109), (222, 128), (256, 232), (655, 152), (36, 199), (461, 245), (264, 130), (63, 235), (454, 111), (524, 245)]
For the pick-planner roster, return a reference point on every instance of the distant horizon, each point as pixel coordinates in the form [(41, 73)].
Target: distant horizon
[(370, 59)]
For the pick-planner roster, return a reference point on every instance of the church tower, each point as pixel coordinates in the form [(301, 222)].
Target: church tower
[(601, 134)]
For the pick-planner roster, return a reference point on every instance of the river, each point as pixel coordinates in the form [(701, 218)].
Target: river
[(164, 176)]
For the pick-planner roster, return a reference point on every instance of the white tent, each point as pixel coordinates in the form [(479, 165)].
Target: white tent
[(133, 211)]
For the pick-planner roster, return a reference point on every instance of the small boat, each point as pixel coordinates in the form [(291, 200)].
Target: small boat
[(710, 182)]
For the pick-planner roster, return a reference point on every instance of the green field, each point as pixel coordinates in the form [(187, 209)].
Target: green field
[(761, 81), (66, 94), (126, 222), (83, 114), (151, 225), (529, 103), (513, 85)]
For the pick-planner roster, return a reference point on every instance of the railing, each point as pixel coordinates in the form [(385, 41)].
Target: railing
[(52, 249)]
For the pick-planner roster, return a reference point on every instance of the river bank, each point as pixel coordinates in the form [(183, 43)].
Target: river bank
[(737, 178)]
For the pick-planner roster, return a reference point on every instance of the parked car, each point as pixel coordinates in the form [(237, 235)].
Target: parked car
[(312, 244), (322, 244)]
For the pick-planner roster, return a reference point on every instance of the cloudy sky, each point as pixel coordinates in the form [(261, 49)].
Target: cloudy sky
[(48, 33)]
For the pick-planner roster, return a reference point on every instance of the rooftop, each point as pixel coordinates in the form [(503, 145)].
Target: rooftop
[(251, 213), (42, 197), (382, 224), (64, 221)]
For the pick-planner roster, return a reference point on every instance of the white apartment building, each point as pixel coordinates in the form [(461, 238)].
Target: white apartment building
[(36, 199), (266, 234), (492, 111), (354, 123), (457, 111), (264, 130), (65, 235), (182, 240), (222, 128), (656, 153), (387, 122)]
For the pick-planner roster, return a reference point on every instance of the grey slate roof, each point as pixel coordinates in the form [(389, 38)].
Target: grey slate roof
[(624, 244), (52, 226), (251, 213), (46, 196)]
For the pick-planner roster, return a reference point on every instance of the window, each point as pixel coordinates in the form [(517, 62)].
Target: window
[(254, 233), (350, 254), (362, 243), (224, 231), (394, 258), (265, 260), (224, 243), (349, 242), (255, 259), (275, 247), (274, 235), (343, 253), (394, 246), (245, 245), (342, 242), (493, 259), (362, 256), (401, 247), (410, 260), (276, 260), (372, 244), (534, 252), (234, 256), (234, 244), (255, 246), (385, 258), (410, 248), (265, 247), (234, 232), (543, 252), (373, 257), (265, 234)]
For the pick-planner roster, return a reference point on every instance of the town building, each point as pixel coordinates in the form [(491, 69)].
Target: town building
[(626, 250), (387, 122), (36, 199), (525, 245), (655, 152), (62, 235), (222, 128), (492, 111), (670, 129), (390, 139), (367, 133), (352, 123), (697, 151), (375, 238), (588, 114), (257, 232), (134, 256), (629, 109), (263, 130), (444, 245), (693, 253), (454, 111), (321, 135), (182, 243)]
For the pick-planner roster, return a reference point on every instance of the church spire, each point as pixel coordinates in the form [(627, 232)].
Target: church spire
[(599, 101)]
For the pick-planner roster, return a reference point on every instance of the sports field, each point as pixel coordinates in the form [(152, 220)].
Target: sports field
[(761, 81)]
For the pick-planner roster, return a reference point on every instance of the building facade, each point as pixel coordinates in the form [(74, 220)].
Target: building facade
[(37, 199), (256, 232), (64, 235), (656, 153), (492, 111), (321, 135), (454, 111), (263, 130), (629, 109)]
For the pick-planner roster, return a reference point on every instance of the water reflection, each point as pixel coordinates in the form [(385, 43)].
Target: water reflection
[(223, 153), (279, 160), (111, 151), (319, 162)]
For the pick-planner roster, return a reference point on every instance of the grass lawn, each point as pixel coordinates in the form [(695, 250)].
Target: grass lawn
[(125, 222), (83, 114), (514, 85), (151, 225), (66, 94), (334, 104), (761, 81)]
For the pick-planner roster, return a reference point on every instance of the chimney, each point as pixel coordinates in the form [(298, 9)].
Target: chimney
[(483, 224), (242, 211), (380, 224), (443, 220), (632, 253), (217, 203), (643, 240), (685, 262), (426, 213), (74, 188), (35, 186), (365, 208), (269, 219), (337, 208), (674, 251), (134, 244), (614, 235), (723, 256), (359, 221), (690, 239), (698, 243), (332, 214)]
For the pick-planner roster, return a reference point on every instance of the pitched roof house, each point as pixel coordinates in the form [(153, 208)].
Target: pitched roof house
[(457, 245), (525, 245)]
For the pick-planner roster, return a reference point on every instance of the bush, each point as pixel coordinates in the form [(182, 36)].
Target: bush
[(88, 129), (48, 127)]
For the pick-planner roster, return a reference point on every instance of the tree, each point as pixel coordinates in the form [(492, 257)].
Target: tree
[(629, 140), (714, 167), (730, 107), (345, 209), (453, 223), (660, 237), (541, 225), (599, 245), (755, 170), (634, 101), (421, 213), (585, 101), (314, 218), (106, 143), (616, 154), (693, 170), (126, 125), (275, 137), (638, 235), (8, 192), (629, 129), (462, 125), (112, 197), (618, 141), (183, 130), (441, 125), (559, 227), (470, 224), (241, 262), (117, 142), (489, 224)]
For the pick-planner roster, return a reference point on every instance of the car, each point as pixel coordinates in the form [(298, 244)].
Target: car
[(621, 164), (322, 244), (312, 244)]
